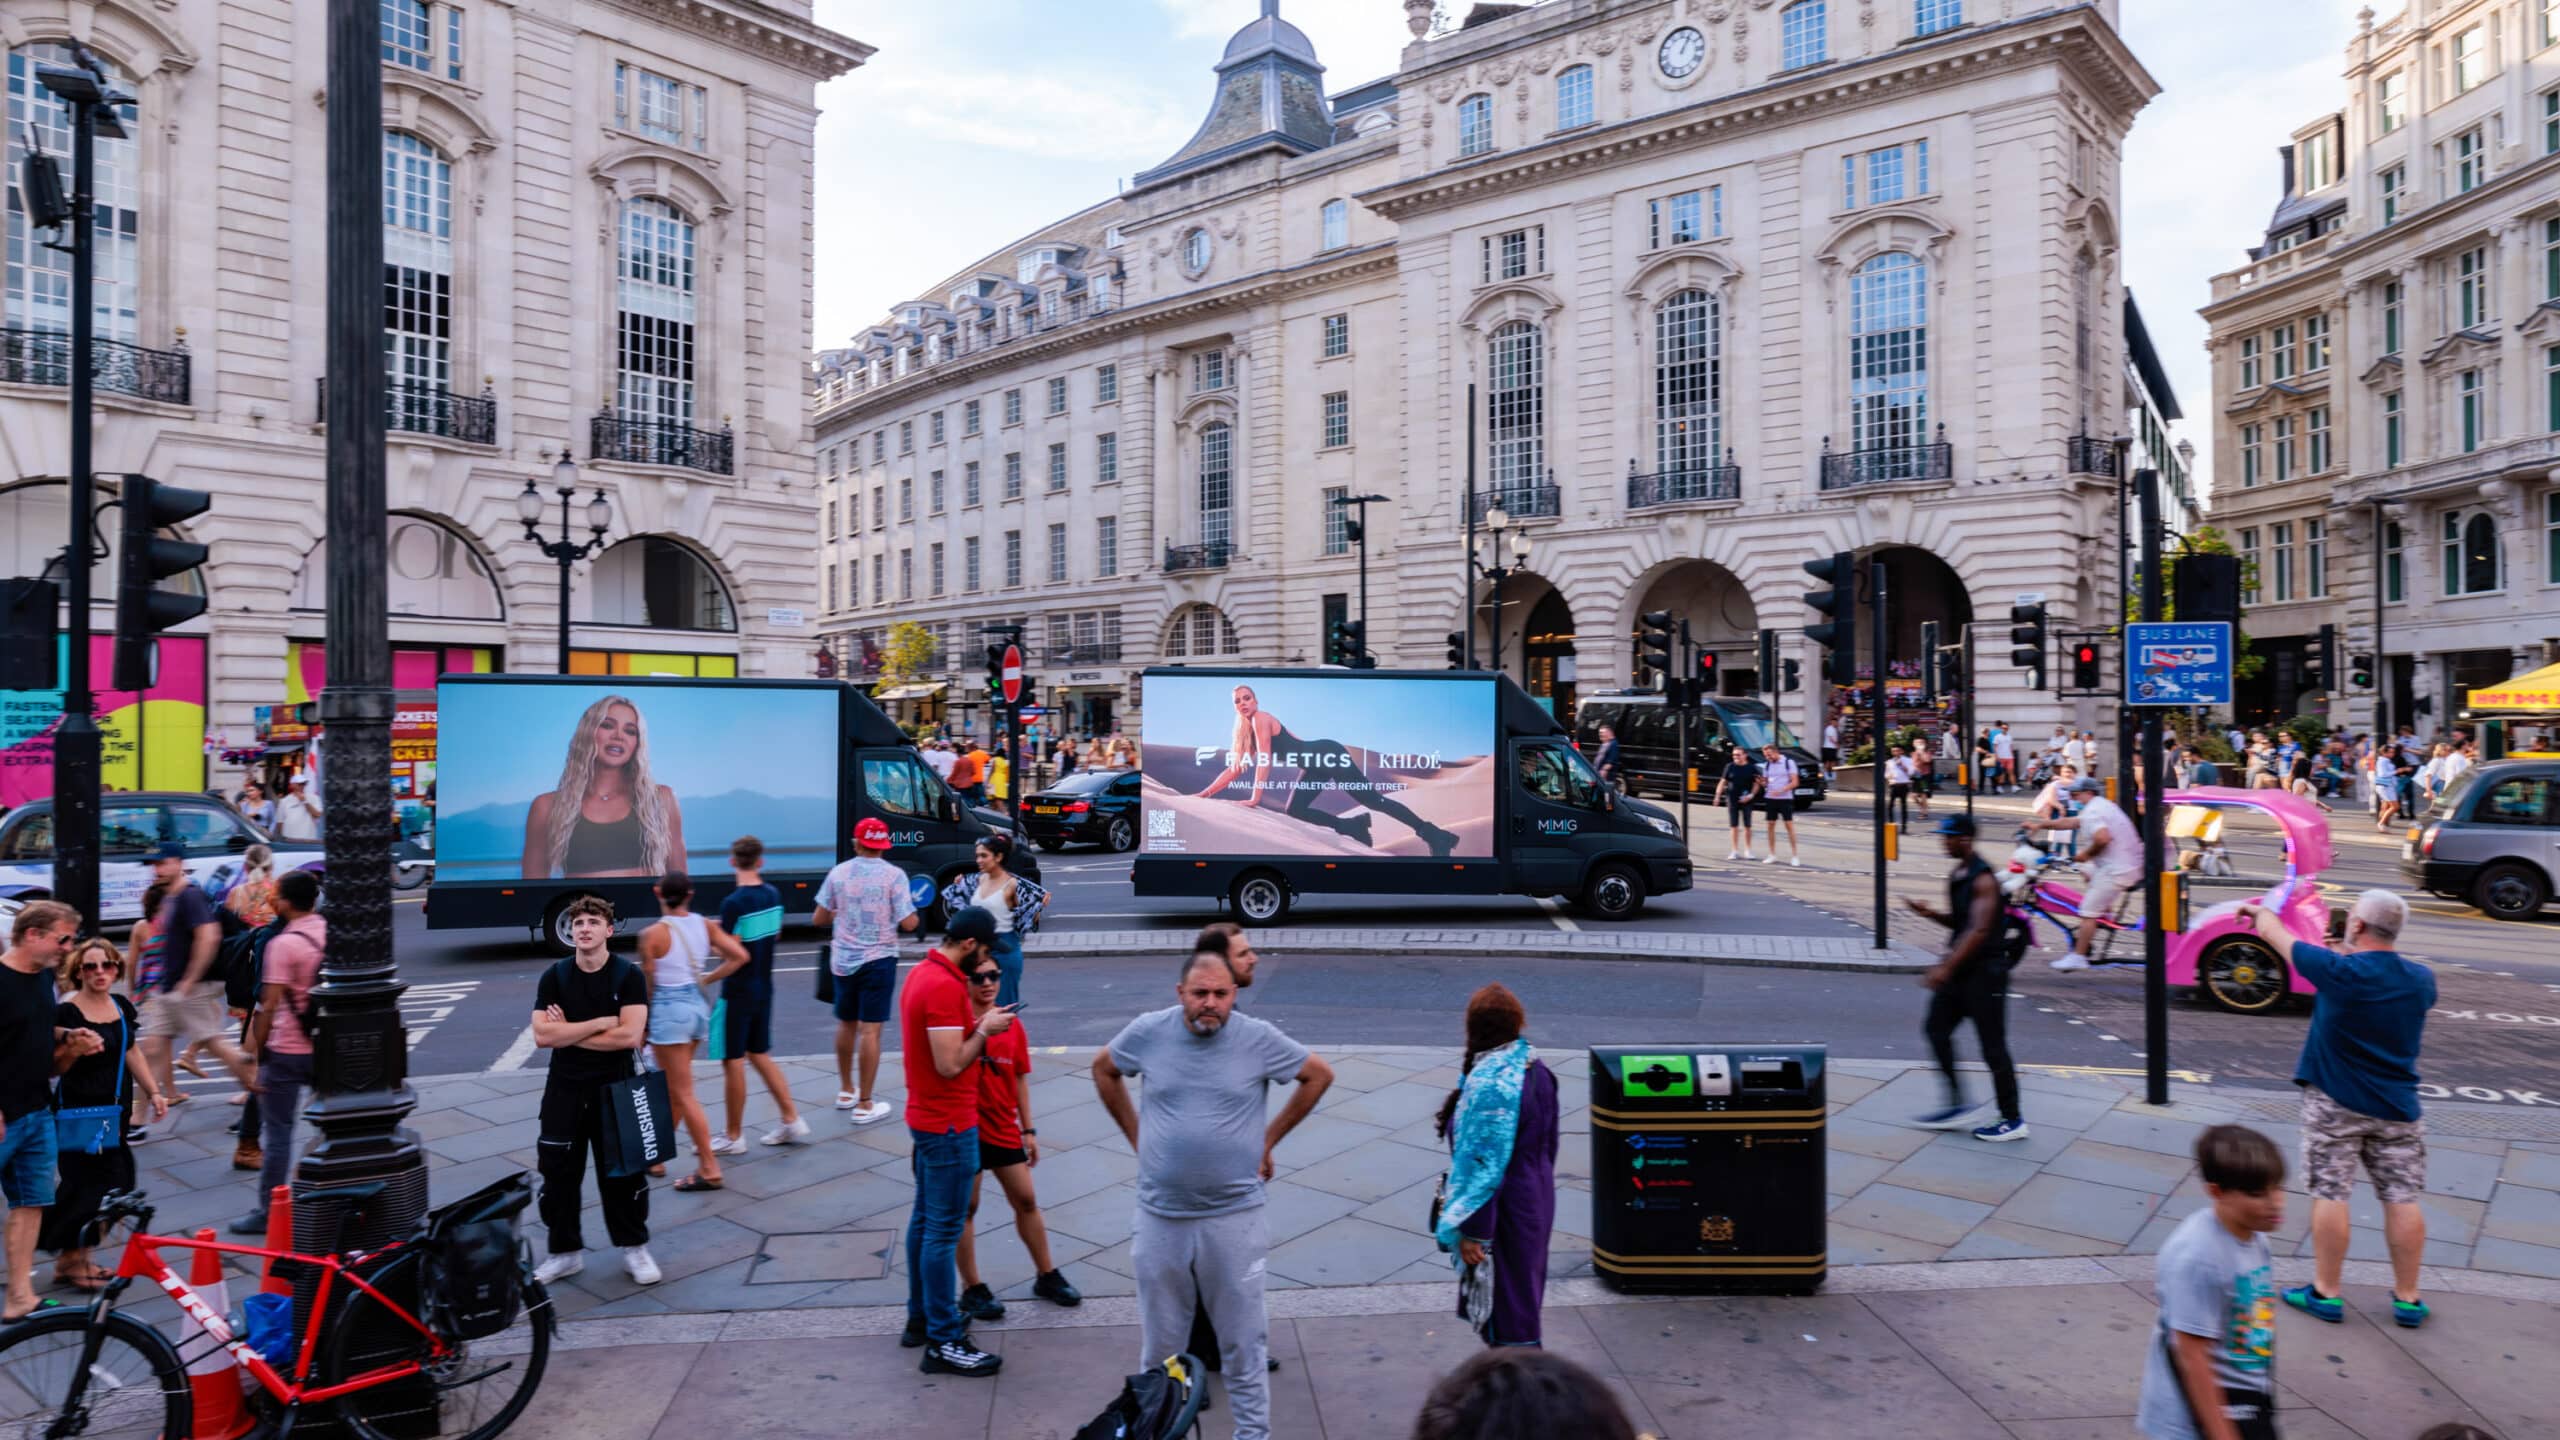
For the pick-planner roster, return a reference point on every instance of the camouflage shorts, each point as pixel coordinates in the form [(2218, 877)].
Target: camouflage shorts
[(2334, 1138)]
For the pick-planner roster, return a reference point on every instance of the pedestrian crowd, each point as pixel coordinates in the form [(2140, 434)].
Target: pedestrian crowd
[(2394, 779)]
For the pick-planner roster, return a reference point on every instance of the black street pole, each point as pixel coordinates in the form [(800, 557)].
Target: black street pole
[(77, 745), (362, 1050), (1467, 565), (1964, 713), (1680, 717), (2155, 946), (567, 558), (2381, 659), (2125, 730), (1875, 740), (1496, 572)]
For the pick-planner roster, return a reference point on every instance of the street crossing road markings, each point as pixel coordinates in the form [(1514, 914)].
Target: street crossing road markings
[(2497, 1017), (1556, 913), (2485, 1095), (425, 1006)]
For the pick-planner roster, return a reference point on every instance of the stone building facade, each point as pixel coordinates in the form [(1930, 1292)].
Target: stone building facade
[(2387, 374), (598, 241), (1712, 288)]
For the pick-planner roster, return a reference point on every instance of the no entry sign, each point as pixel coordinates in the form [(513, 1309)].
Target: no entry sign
[(1013, 674)]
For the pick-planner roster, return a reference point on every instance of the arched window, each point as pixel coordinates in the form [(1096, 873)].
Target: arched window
[(417, 278), (1475, 125), (1889, 354), (1336, 225), (1573, 98), (2470, 554), (36, 515), (653, 380), (1688, 382), (653, 581), (433, 574), (1200, 631), (39, 284), (1516, 410), (1217, 483), (1804, 35)]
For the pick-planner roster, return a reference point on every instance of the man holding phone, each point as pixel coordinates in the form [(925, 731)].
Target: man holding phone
[(942, 1041)]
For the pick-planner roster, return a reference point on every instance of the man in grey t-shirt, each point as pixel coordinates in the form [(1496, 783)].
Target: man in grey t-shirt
[(1204, 1148)]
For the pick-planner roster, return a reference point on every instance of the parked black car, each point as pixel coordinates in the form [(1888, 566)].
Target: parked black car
[(1649, 743), (1094, 807)]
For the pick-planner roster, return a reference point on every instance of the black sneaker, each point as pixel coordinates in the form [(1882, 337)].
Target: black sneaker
[(960, 1359), (1053, 1287), (913, 1337), (980, 1303)]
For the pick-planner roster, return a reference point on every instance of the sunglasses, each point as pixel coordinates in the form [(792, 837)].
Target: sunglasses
[(985, 977), (109, 966)]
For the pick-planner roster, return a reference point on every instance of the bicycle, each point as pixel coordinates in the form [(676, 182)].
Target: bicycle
[(2031, 896), (389, 1374)]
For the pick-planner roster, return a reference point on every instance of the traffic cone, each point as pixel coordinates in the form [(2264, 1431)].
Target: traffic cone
[(279, 1237), (213, 1376)]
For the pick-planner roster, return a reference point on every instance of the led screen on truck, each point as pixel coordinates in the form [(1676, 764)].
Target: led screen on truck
[(571, 781), (1318, 766)]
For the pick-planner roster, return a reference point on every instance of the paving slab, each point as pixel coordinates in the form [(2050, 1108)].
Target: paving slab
[(2120, 1165), (2359, 1370), (1351, 1252), (1819, 1365), (1997, 1239), (1371, 1170), (1938, 1220), (2080, 1207), (1981, 1173), (2522, 1212), (2049, 1352), (609, 1394)]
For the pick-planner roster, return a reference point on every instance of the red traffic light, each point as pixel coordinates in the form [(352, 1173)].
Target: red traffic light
[(1706, 664), (2087, 654)]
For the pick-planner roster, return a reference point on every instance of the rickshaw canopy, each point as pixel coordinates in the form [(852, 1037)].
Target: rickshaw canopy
[(2306, 831)]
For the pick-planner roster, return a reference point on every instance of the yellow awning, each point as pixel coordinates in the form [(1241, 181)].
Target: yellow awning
[(2534, 690), (912, 692)]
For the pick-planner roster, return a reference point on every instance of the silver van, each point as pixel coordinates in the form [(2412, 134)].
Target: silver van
[(2493, 839)]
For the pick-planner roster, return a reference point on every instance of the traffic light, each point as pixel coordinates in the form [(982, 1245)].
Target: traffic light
[(1337, 643), (143, 609), (1791, 675), (2320, 667), (1355, 645), (1951, 663), (1929, 662), (1653, 645), (995, 673), (2360, 672), (1838, 632), (2026, 636), (1706, 685), (2084, 665), (27, 634), (1769, 660), (1457, 651)]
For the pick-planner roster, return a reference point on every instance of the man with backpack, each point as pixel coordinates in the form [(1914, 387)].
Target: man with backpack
[(280, 1033), (178, 982), (1971, 982)]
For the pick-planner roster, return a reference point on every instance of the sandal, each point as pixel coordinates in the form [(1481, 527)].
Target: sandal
[(40, 1307), (695, 1182)]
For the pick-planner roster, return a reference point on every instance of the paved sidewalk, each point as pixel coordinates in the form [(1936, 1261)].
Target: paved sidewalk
[(1783, 952), (1972, 1287)]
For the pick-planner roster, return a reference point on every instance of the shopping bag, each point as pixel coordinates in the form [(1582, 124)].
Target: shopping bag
[(639, 1124)]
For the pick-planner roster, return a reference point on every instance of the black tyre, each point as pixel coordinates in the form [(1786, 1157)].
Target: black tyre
[(1259, 898), (131, 1387), (2510, 892), (1615, 893), (473, 1392), (933, 916), (555, 935), (1120, 837), (2241, 975)]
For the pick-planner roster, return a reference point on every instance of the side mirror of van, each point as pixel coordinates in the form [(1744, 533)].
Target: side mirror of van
[(1609, 797)]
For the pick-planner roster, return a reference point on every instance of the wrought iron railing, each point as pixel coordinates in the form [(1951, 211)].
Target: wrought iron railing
[(2089, 455), (43, 357), (1674, 487), (1521, 502), (1211, 556), (433, 410), (1887, 465), (661, 442), (1098, 653)]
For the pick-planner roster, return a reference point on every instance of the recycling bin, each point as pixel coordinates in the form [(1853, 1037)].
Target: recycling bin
[(1707, 1168)]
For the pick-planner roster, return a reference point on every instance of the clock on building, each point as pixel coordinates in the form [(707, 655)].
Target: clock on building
[(1683, 50)]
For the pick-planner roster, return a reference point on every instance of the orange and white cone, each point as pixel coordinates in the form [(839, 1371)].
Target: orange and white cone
[(213, 1376), (279, 1237)]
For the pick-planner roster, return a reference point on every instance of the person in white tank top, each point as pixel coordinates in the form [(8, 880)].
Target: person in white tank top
[(677, 954)]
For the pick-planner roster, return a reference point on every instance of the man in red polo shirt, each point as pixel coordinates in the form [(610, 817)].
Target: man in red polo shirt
[(941, 1043)]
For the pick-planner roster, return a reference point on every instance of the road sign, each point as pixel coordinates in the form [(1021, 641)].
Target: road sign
[(1012, 669), (2186, 663)]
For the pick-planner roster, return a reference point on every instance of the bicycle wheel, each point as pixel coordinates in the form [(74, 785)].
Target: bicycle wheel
[(475, 1392), (51, 1384)]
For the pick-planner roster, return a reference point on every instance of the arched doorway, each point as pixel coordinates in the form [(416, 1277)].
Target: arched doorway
[(1919, 588), (652, 581), (1529, 635), (1548, 642), (1721, 617)]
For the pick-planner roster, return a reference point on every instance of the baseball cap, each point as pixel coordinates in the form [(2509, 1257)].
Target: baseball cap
[(971, 922), (1956, 825), (2087, 785), (170, 850), (871, 833)]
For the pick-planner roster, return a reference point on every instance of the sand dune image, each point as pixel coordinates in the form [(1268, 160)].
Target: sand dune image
[(1458, 797)]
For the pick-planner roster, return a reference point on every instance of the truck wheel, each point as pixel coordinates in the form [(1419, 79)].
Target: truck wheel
[(554, 935), (1121, 837), (2510, 892), (1259, 898), (1615, 893), (933, 916)]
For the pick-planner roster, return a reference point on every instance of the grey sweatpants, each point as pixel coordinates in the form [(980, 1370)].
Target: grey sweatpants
[(1218, 1261)]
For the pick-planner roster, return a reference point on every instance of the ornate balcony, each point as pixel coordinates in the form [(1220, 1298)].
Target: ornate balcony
[(1887, 465), (661, 442), (1678, 487), (434, 410), (1521, 502), (43, 357), (2089, 455), (1096, 653), (1211, 556)]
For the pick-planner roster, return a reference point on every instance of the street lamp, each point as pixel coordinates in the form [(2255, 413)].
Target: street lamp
[(1510, 557), (564, 551)]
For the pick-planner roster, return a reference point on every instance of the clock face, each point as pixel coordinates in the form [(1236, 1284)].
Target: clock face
[(1682, 51)]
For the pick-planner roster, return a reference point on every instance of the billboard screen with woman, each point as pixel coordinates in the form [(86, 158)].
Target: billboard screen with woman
[(625, 779), (1310, 765)]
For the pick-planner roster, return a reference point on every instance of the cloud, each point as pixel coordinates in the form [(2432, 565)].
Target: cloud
[(1358, 40)]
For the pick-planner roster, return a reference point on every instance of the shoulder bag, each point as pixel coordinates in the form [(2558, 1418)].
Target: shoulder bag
[(97, 1129)]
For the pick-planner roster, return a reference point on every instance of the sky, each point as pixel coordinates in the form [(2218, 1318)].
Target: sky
[(982, 120)]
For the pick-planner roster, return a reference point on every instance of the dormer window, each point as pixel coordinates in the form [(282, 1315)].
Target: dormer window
[(1028, 268)]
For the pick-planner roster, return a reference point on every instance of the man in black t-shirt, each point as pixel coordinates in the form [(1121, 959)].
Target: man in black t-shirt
[(752, 918), (1735, 787), (1971, 982), (181, 997), (32, 1051), (590, 1012)]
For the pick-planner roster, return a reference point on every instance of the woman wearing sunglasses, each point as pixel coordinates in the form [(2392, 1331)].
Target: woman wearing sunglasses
[(106, 1079), (1008, 1146)]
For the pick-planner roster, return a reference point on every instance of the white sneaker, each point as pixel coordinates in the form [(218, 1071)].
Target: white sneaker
[(871, 1114), (1735, 855), (644, 1270), (2071, 960), (795, 1133), (560, 1267), (1769, 859), (1796, 860), (728, 1144)]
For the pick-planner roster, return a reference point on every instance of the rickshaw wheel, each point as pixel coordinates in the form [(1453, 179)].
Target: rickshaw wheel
[(2243, 976)]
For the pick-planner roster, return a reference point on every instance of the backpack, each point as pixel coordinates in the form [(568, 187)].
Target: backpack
[(241, 960), (1151, 1406), (476, 1261)]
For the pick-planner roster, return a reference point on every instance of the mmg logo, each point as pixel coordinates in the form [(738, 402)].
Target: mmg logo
[(1558, 827)]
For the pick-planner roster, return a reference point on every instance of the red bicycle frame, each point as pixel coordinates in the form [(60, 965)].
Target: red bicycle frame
[(142, 1261)]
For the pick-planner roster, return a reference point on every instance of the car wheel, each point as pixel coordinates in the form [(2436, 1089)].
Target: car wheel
[(1615, 893), (555, 935), (2243, 976), (2510, 892), (1259, 898), (1121, 837)]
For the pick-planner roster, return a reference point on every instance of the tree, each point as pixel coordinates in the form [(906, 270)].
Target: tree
[(911, 647)]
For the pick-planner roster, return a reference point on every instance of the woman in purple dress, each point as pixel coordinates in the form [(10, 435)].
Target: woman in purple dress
[(1498, 1205)]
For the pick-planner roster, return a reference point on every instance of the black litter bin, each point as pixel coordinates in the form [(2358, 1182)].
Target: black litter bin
[(1707, 1167)]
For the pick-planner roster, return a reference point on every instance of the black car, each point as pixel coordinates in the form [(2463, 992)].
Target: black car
[(1649, 743), (1095, 807)]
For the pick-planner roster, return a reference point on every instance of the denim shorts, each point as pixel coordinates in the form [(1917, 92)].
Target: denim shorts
[(27, 1161), (679, 1015), (869, 993)]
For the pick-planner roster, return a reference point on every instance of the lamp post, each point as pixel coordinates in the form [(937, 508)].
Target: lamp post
[(1510, 557), (564, 551)]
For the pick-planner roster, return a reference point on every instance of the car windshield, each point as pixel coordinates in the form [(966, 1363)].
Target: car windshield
[(1084, 782), (2450, 802), (1754, 730)]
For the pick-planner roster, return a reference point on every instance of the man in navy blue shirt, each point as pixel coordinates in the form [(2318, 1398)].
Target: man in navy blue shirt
[(2359, 1079)]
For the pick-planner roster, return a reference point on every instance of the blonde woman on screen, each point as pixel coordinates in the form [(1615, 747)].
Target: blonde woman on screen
[(607, 817)]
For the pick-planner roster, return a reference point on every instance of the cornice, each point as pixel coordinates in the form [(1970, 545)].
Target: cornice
[(1334, 269), (759, 29), (2074, 37)]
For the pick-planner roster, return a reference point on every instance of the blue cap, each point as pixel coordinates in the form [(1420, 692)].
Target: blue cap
[(1956, 825), (170, 850)]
